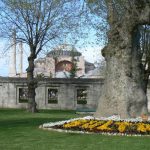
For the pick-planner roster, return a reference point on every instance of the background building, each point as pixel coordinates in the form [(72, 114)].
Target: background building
[(58, 63)]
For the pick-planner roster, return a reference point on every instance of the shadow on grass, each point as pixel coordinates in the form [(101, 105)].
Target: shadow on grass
[(57, 111), (27, 122), (11, 111)]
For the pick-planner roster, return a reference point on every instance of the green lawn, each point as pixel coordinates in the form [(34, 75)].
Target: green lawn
[(19, 131)]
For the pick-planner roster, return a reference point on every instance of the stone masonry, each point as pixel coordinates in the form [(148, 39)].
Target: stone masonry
[(67, 90), (67, 93)]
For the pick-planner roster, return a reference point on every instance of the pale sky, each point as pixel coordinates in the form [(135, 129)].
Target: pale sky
[(90, 50)]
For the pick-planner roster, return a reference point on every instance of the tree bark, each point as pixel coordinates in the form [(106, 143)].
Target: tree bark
[(32, 84), (123, 93)]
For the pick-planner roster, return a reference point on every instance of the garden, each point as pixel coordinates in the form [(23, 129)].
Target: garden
[(19, 130), (110, 126)]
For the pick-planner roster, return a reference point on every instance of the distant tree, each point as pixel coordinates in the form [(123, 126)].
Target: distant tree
[(74, 68), (37, 22), (144, 48), (101, 66)]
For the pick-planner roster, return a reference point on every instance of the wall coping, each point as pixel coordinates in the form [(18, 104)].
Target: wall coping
[(54, 80)]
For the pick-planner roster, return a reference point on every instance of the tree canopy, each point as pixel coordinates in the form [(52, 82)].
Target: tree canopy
[(37, 23)]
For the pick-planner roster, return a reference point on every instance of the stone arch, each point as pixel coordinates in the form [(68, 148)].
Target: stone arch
[(64, 66)]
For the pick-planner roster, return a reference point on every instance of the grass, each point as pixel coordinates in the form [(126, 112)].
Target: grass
[(19, 131)]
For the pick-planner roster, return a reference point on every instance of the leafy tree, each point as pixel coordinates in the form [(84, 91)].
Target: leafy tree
[(123, 92), (74, 67), (37, 23), (144, 48), (101, 67)]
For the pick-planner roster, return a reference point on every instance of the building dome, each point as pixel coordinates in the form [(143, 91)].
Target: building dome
[(64, 50)]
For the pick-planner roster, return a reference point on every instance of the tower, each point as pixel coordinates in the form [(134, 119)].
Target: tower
[(12, 61), (20, 58)]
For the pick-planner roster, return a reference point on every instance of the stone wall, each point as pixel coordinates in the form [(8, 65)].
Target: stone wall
[(66, 90)]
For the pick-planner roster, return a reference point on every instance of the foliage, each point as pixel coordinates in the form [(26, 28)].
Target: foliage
[(144, 51), (101, 66), (36, 23), (114, 13), (40, 76), (82, 102), (74, 67), (73, 70), (52, 101), (23, 101), (99, 20)]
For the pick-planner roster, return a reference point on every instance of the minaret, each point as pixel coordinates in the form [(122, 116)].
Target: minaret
[(20, 58), (12, 62)]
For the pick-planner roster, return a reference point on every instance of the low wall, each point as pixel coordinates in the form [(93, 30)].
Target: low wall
[(66, 90), (67, 93)]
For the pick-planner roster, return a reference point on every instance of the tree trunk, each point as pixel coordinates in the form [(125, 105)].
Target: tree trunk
[(32, 84), (123, 92)]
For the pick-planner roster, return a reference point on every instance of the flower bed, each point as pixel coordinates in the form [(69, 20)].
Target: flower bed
[(111, 126)]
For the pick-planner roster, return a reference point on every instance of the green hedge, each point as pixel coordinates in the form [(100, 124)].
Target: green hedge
[(81, 102), (23, 101), (52, 101)]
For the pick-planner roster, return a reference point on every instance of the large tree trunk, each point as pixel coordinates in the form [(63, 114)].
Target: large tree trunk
[(123, 93), (32, 84)]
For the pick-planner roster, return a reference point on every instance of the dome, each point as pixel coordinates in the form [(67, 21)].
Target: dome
[(64, 50), (65, 47)]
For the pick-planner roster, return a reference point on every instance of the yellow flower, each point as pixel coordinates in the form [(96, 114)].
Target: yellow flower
[(148, 127), (122, 126), (90, 125), (95, 124), (101, 125), (141, 127), (105, 126), (75, 123)]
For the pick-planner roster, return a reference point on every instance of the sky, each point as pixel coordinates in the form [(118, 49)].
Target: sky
[(91, 51), (88, 47)]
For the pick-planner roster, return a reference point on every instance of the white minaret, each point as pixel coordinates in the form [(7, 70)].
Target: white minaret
[(12, 61), (20, 58)]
